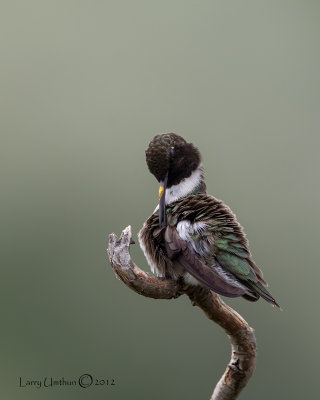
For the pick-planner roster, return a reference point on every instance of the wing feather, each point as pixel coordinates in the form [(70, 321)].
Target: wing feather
[(177, 249), (230, 247)]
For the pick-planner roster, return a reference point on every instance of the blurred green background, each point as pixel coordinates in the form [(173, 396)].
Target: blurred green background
[(85, 85)]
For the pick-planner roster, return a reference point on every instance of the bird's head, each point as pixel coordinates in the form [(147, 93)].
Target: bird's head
[(171, 159)]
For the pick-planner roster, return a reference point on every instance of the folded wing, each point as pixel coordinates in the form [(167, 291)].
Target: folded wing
[(178, 250)]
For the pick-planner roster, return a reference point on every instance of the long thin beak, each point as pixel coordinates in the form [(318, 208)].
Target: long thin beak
[(162, 202)]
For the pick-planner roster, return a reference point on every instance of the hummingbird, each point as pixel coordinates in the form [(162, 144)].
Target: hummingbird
[(192, 236)]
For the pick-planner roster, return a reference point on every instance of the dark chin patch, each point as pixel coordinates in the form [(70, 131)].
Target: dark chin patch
[(187, 159), (178, 177)]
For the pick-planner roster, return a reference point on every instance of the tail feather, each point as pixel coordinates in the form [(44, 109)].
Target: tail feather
[(251, 296), (264, 293)]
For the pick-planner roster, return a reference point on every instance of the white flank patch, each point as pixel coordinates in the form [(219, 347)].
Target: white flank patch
[(186, 229), (185, 187)]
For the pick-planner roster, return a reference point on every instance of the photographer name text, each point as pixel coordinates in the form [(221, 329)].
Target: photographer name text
[(84, 381)]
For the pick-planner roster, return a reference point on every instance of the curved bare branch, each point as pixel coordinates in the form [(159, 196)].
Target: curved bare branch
[(243, 343)]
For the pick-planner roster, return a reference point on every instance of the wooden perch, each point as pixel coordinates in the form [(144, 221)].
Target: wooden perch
[(243, 343)]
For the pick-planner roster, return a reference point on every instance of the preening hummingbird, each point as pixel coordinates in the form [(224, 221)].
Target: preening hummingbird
[(194, 236)]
